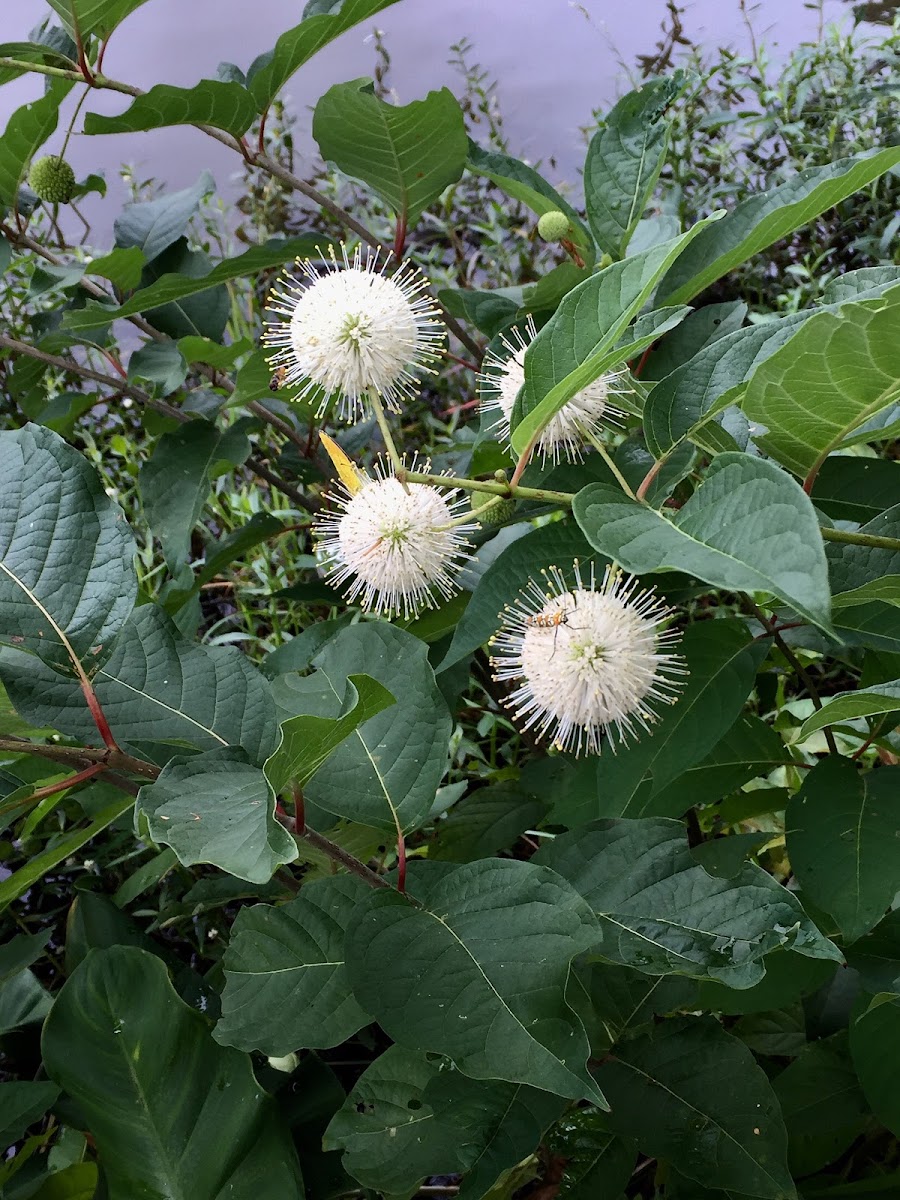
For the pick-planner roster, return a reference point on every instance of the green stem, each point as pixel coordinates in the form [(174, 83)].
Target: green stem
[(607, 458), (14, 64), (381, 418), (860, 539), (503, 490)]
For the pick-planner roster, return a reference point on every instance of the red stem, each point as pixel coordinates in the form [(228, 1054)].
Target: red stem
[(52, 788), (648, 479), (262, 131), (642, 362), (401, 863), (299, 809), (98, 715), (400, 236)]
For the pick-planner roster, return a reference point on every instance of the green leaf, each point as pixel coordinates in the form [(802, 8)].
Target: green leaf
[(176, 286), (508, 574), (838, 371), (174, 483), (496, 1124), (21, 1104), (849, 706), (769, 216), (688, 399), (26, 131), (189, 1121), (700, 329), (877, 956), (286, 985), (693, 1094), (216, 807), (162, 363), (489, 311), (875, 1048), (388, 770), (624, 160), (58, 851), (389, 1133), (750, 748), (307, 741), (659, 911), (865, 568), (49, 45), (155, 688), (122, 267), (822, 1104), (526, 185), (479, 969), (67, 580), (212, 102), (598, 1164), (843, 840), (406, 153), (788, 977), (271, 71), (153, 225), (749, 527), (490, 819), (722, 660), (93, 16), (583, 338)]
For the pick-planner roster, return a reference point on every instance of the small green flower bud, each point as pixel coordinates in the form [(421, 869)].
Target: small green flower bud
[(52, 179), (553, 226), (497, 514)]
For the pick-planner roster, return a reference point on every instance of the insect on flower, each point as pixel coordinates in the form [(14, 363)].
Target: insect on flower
[(278, 380)]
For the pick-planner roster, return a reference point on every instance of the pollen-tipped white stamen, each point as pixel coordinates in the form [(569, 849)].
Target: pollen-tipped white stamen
[(578, 422), (587, 659), (395, 544), (353, 330)]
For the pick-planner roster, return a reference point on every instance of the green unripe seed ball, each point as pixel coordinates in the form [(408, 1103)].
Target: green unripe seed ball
[(553, 226), (52, 179), (496, 514)]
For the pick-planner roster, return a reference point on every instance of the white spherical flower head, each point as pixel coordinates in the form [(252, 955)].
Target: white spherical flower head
[(395, 544), (580, 421), (353, 330), (587, 660)]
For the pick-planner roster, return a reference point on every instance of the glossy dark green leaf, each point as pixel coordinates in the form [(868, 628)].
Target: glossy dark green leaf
[(789, 977), (189, 1121), (321, 24), (586, 336), (175, 286), (692, 1094), (843, 840), (624, 160), (765, 218), (489, 820), (286, 985), (406, 153), (175, 481), (862, 573), (307, 741), (838, 371), (659, 911), (153, 225), (489, 311), (216, 807), (212, 102), (700, 329), (551, 545), (479, 969), (722, 660), (497, 1124), (822, 1103), (598, 1164), (67, 580), (749, 527), (614, 1002), (875, 1049), (388, 770), (748, 749), (20, 1105), (390, 1134), (529, 187), (155, 688), (26, 131), (877, 956)]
